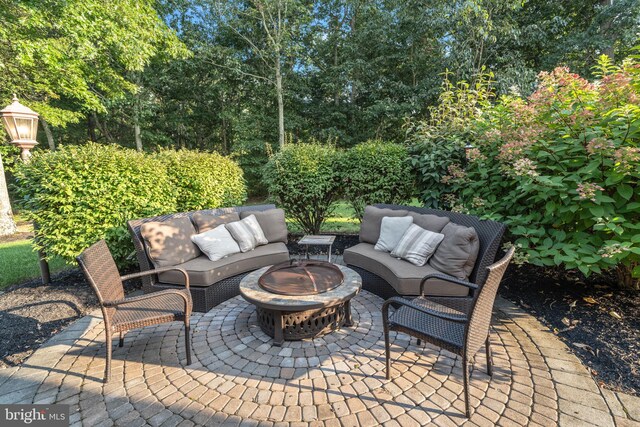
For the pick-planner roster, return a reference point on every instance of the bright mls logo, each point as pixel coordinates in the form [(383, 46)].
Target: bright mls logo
[(34, 415)]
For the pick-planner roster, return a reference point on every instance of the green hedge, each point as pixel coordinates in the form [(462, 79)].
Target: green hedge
[(204, 180), (303, 180), (80, 194), (376, 172)]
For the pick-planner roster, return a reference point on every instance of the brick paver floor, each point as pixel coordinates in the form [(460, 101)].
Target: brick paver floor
[(239, 378)]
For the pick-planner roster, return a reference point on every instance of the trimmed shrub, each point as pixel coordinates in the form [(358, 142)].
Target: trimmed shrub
[(376, 172), (204, 180), (437, 144), (561, 168), (80, 194), (302, 179)]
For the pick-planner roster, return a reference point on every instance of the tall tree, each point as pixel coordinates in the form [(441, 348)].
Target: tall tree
[(66, 57), (271, 30), (7, 224)]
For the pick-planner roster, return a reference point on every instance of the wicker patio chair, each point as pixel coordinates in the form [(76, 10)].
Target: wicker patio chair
[(461, 329), (122, 314)]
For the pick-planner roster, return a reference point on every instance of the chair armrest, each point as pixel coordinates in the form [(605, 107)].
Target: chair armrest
[(153, 295), (410, 304), (447, 278), (156, 271)]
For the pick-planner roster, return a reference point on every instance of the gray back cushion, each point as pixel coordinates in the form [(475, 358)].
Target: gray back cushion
[(371, 221), (272, 223), (430, 222), (206, 221), (457, 253), (168, 243)]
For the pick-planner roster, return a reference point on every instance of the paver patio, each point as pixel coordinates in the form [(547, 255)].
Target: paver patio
[(239, 378)]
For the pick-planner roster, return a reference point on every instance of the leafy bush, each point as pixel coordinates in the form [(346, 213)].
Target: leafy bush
[(304, 182), (204, 180), (562, 168), (80, 194), (437, 145), (376, 172)]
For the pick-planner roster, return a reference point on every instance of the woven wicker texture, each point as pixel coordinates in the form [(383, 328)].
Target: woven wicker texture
[(105, 277), (461, 330), (163, 307), (204, 298), (122, 314)]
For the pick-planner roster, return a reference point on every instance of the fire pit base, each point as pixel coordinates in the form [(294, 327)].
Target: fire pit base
[(295, 317), (297, 325)]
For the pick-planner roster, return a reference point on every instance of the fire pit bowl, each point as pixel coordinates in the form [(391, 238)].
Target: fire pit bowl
[(298, 278)]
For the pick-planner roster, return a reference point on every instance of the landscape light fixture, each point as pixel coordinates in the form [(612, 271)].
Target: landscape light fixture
[(22, 125)]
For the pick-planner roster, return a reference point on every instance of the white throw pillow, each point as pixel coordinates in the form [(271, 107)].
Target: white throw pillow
[(216, 243), (391, 231), (247, 232), (417, 245)]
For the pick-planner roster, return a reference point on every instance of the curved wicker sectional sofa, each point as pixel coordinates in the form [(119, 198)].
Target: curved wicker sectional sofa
[(387, 277), (211, 282)]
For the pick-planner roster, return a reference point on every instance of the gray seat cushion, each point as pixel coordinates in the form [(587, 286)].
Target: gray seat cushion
[(402, 275), (206, 221), (204, 272), (272, 223), (372, 220)]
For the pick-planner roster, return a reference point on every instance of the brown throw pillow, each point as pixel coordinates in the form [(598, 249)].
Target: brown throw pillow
[(372, 220), (206, 221), (169, 242), (457, 253), (272, 223)]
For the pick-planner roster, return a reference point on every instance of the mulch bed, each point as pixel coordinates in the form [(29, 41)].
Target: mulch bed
[(598, 321), (30, 313), (582, 312)]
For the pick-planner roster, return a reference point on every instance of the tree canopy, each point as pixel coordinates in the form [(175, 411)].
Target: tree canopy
[(237, 76)]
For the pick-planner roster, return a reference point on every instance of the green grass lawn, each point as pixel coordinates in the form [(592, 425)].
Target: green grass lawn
[(18, 263), (342, 220)]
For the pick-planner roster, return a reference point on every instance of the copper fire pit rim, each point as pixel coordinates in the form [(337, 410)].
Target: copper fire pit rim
[(300, 264)]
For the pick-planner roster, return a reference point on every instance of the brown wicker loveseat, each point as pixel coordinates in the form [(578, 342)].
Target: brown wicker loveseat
[(211, 282), (387, 277)]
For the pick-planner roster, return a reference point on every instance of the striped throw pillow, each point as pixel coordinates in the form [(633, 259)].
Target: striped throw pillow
[(417, 245), (247, 233)]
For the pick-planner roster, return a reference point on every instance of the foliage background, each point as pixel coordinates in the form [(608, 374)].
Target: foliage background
[(189, 76)]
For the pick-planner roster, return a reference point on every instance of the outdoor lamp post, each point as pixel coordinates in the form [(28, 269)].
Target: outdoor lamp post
[(22, 125)]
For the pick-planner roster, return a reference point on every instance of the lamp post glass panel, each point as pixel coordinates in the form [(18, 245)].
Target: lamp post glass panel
[(21, 124)]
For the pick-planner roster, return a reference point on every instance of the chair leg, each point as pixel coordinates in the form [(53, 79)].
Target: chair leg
[(187, 342), (487, 346), (121, 342), (107, 368), (465, 371), (387, 351)]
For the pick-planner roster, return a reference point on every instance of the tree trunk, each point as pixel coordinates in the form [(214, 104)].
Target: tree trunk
[(136, 122), (91, 127), (609, 49), (47, 131), (7, 225), (279, 93), (626, 279)]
